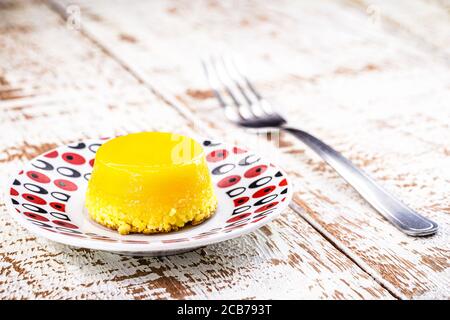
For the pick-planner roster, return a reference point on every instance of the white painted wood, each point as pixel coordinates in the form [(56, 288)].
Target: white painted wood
[(374, 87), (56, 86)]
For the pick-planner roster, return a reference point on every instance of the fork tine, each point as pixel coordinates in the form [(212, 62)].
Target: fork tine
[(211, 75), (230, 88), (259, 105), (249, 96), (233, 75)]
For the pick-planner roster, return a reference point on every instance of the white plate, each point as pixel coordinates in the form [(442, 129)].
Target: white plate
[(47, 197)]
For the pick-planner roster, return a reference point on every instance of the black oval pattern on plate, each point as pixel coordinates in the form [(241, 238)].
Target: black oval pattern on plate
[(248, 160), (67, 229), (262, 214), (266, 199), (61, 216), (65, 226), (209, 143), (45, 165), (239, 223), (68, 172), (94, 147), (260, 182), (35, 188), (236, 191), (62, 196), (33, 208), (224, 168), (241, 209), (78, 146), (40, 224), (87, 176)]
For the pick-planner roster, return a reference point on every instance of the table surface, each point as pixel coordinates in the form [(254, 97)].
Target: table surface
[(369, 77)]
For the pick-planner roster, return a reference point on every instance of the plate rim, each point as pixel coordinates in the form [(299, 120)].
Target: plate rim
[(128, 248)]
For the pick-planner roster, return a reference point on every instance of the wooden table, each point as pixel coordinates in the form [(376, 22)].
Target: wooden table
[(370, 78)]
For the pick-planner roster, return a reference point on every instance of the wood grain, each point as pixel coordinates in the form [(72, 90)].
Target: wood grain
[(370, 79), (58, 86)]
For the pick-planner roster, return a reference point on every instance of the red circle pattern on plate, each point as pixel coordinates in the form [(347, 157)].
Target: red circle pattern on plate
[(58, 206), (263, 191), (266, 207), (256, 220), (255, 171), (65, 185), (51, 154), (65, 224), (73, 158), (33, 199), (13, 192), (217, 155), (35, 216), (228, 181), (238, 217), (239, 201), (237, 150), (38, 177)]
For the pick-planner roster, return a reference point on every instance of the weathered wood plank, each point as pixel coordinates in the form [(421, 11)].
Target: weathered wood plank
[(374, 91), (57, 87), (423, 22)]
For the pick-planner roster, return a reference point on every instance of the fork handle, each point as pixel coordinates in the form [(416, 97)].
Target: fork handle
[(400, 215)]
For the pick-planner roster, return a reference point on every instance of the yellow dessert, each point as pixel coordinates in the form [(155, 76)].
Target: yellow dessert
[(150, 182)]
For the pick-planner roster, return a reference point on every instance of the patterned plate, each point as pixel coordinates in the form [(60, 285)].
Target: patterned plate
[(47, 197)]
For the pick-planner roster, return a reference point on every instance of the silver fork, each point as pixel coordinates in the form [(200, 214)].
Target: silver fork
[(249, 109)]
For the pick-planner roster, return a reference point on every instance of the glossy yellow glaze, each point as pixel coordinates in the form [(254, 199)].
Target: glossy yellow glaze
[(150, 182)]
